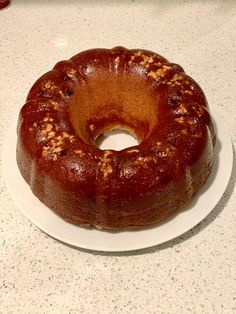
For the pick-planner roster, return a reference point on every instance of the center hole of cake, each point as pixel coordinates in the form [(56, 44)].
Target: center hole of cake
[(116, 140)]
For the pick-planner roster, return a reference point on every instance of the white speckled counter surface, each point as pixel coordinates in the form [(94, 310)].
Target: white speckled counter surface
[(195, 273)]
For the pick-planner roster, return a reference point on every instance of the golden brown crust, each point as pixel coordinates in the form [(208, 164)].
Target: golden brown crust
[(99, 89)]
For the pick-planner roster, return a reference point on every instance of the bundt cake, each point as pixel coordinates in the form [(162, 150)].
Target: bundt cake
[(97, 91)]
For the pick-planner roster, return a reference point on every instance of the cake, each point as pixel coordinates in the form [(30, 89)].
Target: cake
[(94, 92)]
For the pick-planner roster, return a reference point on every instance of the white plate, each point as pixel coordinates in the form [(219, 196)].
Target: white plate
[(93, 239)]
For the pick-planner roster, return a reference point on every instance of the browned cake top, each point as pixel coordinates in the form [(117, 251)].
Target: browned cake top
[(98, 90)]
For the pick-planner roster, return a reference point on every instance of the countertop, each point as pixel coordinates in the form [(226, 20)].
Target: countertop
[(195, 273)]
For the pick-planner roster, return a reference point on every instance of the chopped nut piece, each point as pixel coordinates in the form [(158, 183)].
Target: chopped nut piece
[(180, 120), (78, 151), (150, 60), (43, 133), (54, 104), (71, 73), (159, 64), (166, 67), (57, 149), (60, 142), (51, 134), (160, 72), (177, 83), (108, 169), (65, 134), (182, 109), (188, 92), (49, 127), (191, 121), (153, 75), (44, 152), (48, 85), (54, 157), (177, 77)]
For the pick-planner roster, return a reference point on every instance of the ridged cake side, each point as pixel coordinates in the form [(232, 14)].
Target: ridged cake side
[(98, 90)]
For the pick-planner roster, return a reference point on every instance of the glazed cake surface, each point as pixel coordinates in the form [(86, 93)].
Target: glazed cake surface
[(97, 91)]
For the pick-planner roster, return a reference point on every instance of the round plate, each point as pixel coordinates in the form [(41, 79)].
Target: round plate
[(100, 240)]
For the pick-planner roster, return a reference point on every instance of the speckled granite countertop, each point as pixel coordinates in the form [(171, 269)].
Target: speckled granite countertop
[(195, 273)]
